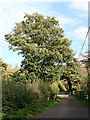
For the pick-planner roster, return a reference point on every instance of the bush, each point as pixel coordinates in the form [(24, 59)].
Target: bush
[(18, 96), (54, 91), (35, 94), (45, 90), (82, 94), (15, 96), (48, 90)]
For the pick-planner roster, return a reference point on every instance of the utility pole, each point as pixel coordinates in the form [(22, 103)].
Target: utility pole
[(89, 33), (89, 51)]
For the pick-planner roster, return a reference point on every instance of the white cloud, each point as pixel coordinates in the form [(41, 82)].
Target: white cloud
[(78, 37), (67, 20), (4, 1), (76, 4), (79, 4), (84, 15), (80, 32)]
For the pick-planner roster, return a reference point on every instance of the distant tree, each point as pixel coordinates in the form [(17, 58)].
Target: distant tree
[(82, 76), (3, 68), (9, 67), (86, 61), (3, 65), (42, 43), (70, 74), (16, 68), (75, 77)]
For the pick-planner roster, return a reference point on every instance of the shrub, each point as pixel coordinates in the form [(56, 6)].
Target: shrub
[(35, 94), (18, 96), (54, 90), (48, 90), (15, 96), (44, 88)]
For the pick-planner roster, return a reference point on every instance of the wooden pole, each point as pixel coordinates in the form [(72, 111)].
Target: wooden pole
[(89, 51)]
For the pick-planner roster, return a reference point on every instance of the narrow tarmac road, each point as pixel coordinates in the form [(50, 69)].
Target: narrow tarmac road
[(67, 108)]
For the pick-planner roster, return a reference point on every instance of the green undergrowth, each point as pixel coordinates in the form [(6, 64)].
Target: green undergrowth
[(30, 111), (85, 101)]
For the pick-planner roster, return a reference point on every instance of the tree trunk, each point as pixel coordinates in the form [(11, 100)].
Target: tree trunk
[(70, 87)]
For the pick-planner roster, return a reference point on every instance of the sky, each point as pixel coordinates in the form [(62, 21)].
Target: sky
[(72, 16)]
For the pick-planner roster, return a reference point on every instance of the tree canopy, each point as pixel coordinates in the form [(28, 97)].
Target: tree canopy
[(42, 43)]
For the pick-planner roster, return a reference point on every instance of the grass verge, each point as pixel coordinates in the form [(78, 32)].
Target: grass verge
[(30, 111), (85, 101)]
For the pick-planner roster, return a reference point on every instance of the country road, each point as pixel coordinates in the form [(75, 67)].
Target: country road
[(68, 107)]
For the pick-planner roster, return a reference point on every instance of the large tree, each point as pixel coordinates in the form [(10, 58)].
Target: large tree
[(42, 43)]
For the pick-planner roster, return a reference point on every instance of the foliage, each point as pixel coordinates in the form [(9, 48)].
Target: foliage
[(86, 61), (74, 77), (14, 96), (10, 68), (42, 43), (62, 85), (54, 90), (70, 74), (30, 111), (3, 65), (3, 68), (7, 70), (17, 96), (82, 75)]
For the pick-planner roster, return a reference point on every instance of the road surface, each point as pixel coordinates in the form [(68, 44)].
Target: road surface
[(68, 107)]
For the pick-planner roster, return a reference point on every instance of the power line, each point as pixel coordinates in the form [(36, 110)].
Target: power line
[(84, 41)]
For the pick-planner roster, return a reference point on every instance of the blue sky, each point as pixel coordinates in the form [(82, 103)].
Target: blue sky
[(72, 16)]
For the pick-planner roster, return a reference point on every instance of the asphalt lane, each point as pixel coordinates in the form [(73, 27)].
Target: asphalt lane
[(68, 107)]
